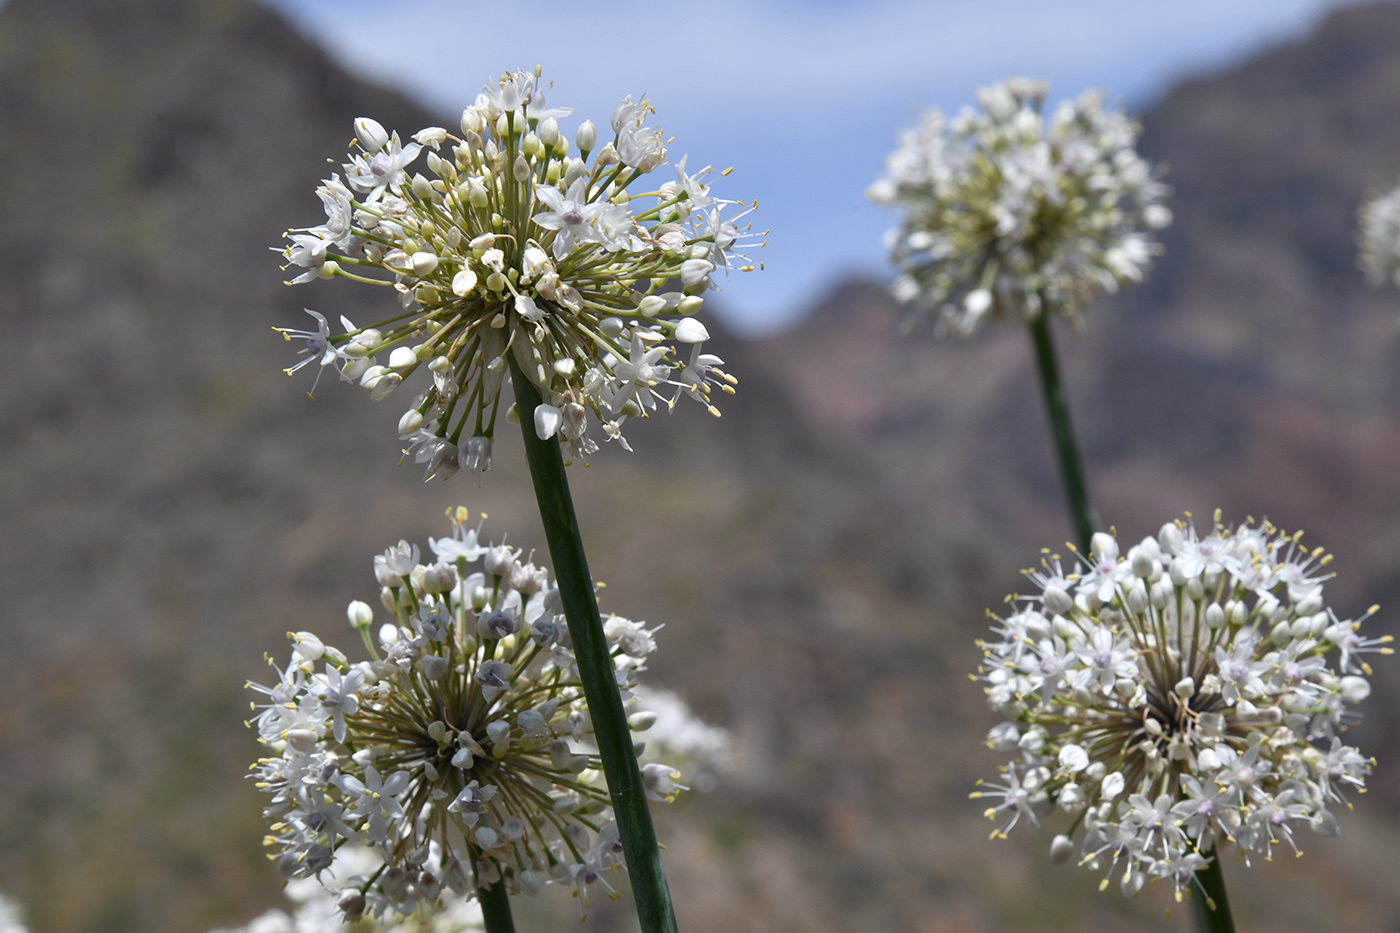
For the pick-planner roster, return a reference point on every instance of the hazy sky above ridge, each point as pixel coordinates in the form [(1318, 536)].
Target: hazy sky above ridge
[(803, 99)]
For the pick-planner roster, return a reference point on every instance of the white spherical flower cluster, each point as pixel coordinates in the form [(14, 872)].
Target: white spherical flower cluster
[(1380, 238), (461, 753), (1007, 214), (1183, 697), (510, 243)]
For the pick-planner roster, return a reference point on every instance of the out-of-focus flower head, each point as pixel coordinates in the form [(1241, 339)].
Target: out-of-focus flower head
[(1009, 214)]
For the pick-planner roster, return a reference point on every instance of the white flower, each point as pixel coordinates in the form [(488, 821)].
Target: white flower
[(462, 750), (1007, 214), (573, 270), (318, 347), (1187, 701), (378, 170)]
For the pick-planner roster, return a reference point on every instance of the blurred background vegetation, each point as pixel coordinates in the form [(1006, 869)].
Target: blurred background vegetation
[(822, 555)]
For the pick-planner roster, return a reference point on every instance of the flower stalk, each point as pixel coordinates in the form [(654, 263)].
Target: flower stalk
[(495, 908), (624, 778), (1213, 909), (1081, 513)]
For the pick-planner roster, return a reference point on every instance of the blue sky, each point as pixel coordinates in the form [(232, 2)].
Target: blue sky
[(802, 99)]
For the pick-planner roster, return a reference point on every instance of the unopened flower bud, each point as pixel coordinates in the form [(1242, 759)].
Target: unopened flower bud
[(1103, 546), (308, 646), (371, 134), (1057, 601), (1309, 604), (1169, 538), (351, 904), (463, 283), (1137, 596), (303, 740), (1355, 689), (587, 136), (424, 263), (359, 614), (381, 386), (499, 560), (689, 330), (432, 666), (498, 732)]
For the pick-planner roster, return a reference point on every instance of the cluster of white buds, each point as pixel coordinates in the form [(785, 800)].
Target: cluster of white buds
[(1380, 238), (512, 244), (461, 753), (1184, 697), (1006, 214)]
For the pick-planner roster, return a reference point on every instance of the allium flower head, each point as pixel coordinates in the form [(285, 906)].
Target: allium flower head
[(507, 239), (1380, 238), (460, 754), (1008, 213), (1187, 695)]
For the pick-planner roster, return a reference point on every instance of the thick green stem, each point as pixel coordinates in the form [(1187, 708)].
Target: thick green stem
[(1213, 907), (1080, 511), (495, 908), (595, 666)]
